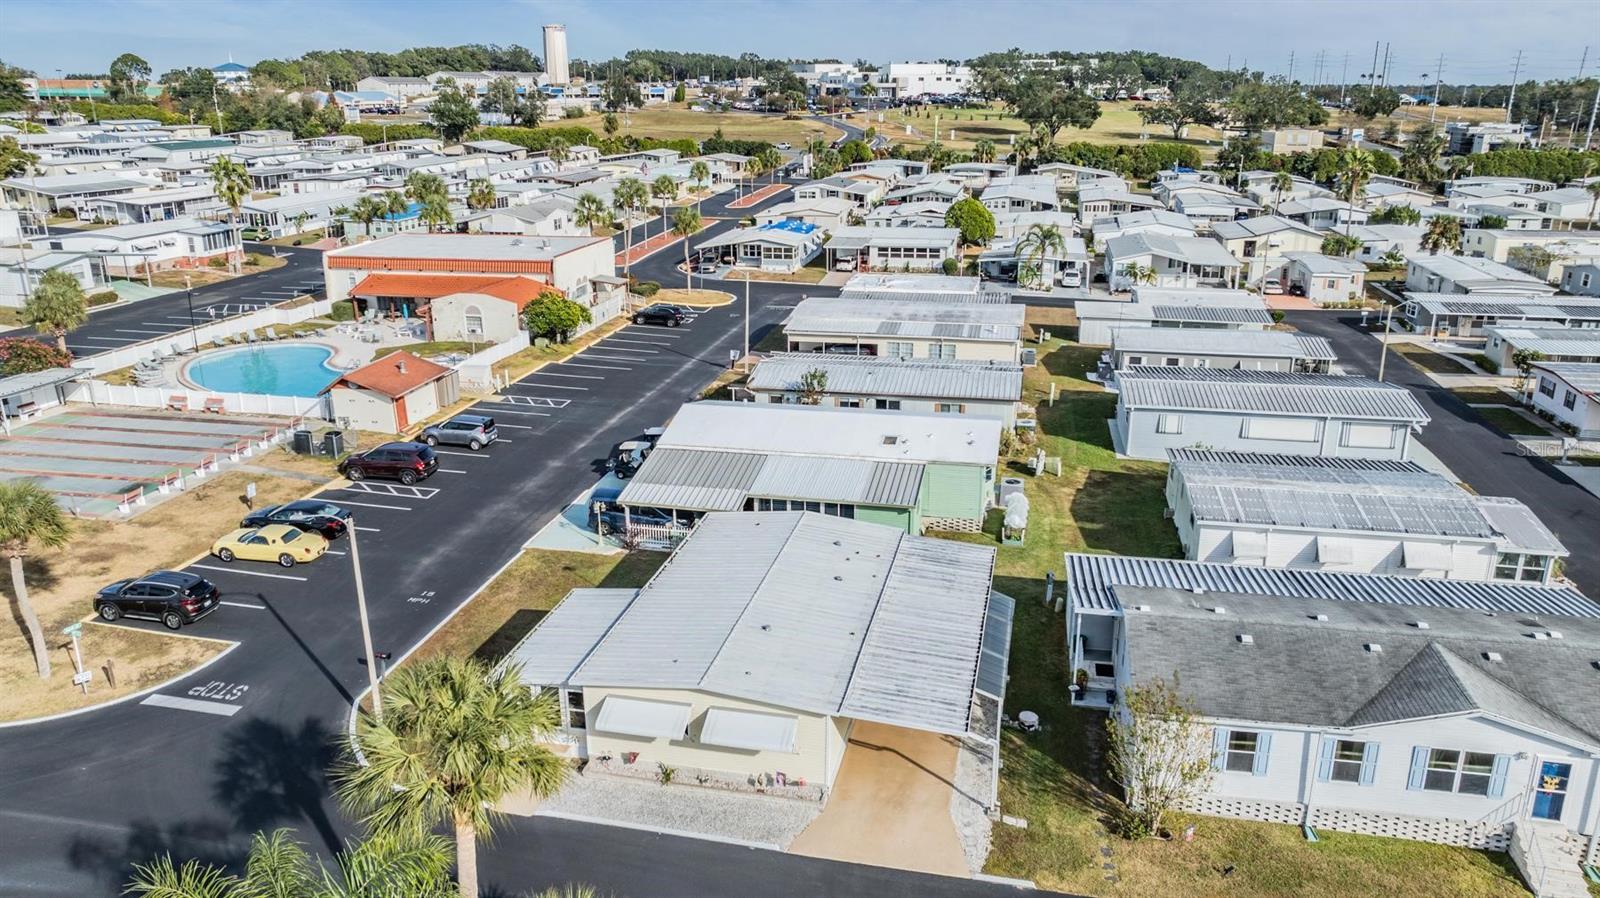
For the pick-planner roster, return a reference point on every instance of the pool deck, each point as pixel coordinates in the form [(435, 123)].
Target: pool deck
[(353, 344)]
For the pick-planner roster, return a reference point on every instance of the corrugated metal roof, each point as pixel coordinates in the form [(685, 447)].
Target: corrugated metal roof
[(834, 432), (1267, 392), (1211, 314), (706, 480), (700, 479), (1296, 461), (1581, 376), (1552, 341), (894, 636), (1092, 579), (996, 646), (1212, 341), (829, 316), (838, 480), (1507, 306), (550, 652), (888, 376)]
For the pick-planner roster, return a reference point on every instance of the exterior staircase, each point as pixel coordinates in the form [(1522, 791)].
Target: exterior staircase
[(1548, 856)]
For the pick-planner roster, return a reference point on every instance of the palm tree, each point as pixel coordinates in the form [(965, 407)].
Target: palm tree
[(368, 209), (435, 212), (628, 195), (590, 212), (700, 173), (557, 149), (1281, 182), (395, 203), (57, 306), (754, 167), (29, 516), (870, 91), (231, 182), (983, 150), (686, 223), (1593, 187), (1037, 242), (770, 160), (1355, 166), (421, 185), (457, 737), (279, 867), (481, 195), (665, 189), (1444, 232)]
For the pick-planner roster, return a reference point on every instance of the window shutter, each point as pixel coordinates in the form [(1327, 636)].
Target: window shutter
[(1497, 777), (1325, 761), (1419, 766), (1219, 747), (1263, 748), (1369, 763)]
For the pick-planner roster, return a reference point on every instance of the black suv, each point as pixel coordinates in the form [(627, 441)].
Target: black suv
[(405, 462), (174, 598), (661, 313), (310, 515)]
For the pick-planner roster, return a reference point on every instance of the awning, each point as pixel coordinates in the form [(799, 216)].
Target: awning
[(642, 717), (996, 647), (1426, 556), (1250, 544), (749, 730), (1333, 550)]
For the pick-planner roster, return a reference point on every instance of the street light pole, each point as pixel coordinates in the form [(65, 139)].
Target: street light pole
[(188, 298), (1383, 355), (366, 626), (747, 317)]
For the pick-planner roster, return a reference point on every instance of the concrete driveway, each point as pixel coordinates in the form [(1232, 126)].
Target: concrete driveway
[(891, 804)]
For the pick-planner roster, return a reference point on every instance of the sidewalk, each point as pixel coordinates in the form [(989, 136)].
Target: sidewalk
[(760, 196)]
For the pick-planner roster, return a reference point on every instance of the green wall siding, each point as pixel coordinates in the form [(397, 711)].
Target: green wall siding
[(903, 518), (951, 491)]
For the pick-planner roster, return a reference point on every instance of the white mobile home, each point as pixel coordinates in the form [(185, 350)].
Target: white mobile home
[(1263, 350), (1569, 392), (1455, 315), (919, 386), (1152, 307), (907, 329)]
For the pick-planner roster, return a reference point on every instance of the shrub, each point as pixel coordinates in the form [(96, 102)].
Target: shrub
[(343, 310), (103, 298), (575, 112), (647, 288), (218, 264), (1277, 316), (951, 266), (21, 355)]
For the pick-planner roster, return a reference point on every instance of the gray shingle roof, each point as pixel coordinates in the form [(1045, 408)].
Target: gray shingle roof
[(1092, 581), (1267, 392), (1284, 674), (886, 376)]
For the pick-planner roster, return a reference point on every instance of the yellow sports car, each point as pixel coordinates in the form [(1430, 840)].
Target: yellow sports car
[(275, 542)]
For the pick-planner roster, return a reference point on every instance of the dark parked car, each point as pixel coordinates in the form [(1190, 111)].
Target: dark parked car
[(471, 431), (405, 462), (174, 598), (661, 313), (614, 518), (311, 515)]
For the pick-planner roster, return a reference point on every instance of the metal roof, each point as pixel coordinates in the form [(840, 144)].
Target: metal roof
[(1581, 376), (1259, 226), (996, 645), (1507, 306), (552, 651), (1327, 266), (1267, 392), (17, 384), (856, 237), (1093, 579), (1192, 250), (1212, 341), (700, 479), (1551, 341), (987, 322), (838, 479), (889, 376), (706, 480), (895, 637)]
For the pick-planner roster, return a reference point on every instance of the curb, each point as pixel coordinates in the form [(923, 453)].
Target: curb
[(132, 695), (663, 831), (1005, 881)]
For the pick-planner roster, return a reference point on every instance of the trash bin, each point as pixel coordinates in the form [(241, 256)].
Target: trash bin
[(333, 443), (302, 442)]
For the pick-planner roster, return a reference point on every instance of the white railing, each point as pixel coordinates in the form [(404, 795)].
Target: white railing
[(272, 316), (98, 392), (477, 370)]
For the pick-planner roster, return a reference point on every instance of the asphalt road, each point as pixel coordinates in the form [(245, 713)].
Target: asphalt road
[(115, 326), (243, 744), (1482, 457)]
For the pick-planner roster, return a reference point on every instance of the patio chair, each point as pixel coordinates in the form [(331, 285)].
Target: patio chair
[(218, 342), (272, 334), (181, 349), (250, 337)]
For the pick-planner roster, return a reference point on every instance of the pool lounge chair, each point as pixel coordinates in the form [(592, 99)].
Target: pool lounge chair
[(272, 334)]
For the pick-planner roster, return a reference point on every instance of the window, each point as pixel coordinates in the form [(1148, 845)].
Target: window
[(899, 350), (1169, 424), (1368, 436), (943, 351), (1570, 400), (949, 408), (1466, 772), (848, 403), (1171, 361), (575, 713), (1297, 430), (1105, 670), (1529, 568), (1347, 759), (892, 405), (777, 400), (1135, 360), (1547, 387), (1240, 755)]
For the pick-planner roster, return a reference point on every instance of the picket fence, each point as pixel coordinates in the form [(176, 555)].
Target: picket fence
[(98, 392)]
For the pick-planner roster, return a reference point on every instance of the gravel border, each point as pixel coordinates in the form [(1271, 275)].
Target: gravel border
[(974, 772), (683, 808)]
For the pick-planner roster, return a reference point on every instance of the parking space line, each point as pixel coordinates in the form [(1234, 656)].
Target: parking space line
[(502, 409), (183, 326), (129, 330), (555, 374), (644, 342), (231, 570), (372, 529), (599, 367), (604, 348), (462, 454), (451, 471), (334, 552), (191, 704), (552, 386), (242, 605), (374, 505), (610, 358), (517, 426), (113, 339)]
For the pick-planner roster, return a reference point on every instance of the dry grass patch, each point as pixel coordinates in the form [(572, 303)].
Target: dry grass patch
[(520, 364), (809, 274), (671, 121), (61, 584), (1119, 123), (700, 299)]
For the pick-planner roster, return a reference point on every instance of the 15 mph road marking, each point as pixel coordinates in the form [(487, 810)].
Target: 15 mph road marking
[(190, 704)]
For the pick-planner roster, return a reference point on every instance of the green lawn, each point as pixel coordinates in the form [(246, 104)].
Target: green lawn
[(437, 347), (1512, 422), (1053, 778), (1118, 123), (1483, 396), (1428, 360)]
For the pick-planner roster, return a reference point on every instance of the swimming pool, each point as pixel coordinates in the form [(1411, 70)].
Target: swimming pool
[(277, 370)]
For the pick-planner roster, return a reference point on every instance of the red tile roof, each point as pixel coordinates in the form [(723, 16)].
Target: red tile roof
[(518, 289), (394, 375)]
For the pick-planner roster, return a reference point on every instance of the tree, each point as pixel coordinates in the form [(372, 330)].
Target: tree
[(665, 189), (983, 150), (279, 867), (1398, 214), (1593, 189), (700, 173), (558, 149), (1524, 360), (481, 195), (770, 159), (501, 96), (1443, 232), (591, 212), (1491, 222), (1281, 183), (1160, 752), (629, 195), (854, 151), (57, 306), (610, 123), (231, 181), (25, 355), (1534, 260), (454, 113), (13, 95), (422, 185), (1340, 245), (127, 78), (1370, 101), (14, 160), (1049, 106), (435, 213), (1187, 107), (456, 738), (825, 163), (813, 384), (680, 93), (1355, 166), (621, 93), (394, 203), (973, 219), (29, 516), (1274, 102), (686, 223), (367, 210), (1037, 243), (870, 91)]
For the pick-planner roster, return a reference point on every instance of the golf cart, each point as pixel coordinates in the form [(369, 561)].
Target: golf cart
[(628, 457)]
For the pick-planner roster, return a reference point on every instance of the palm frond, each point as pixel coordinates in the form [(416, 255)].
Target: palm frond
[(162, 879), (278, 867)]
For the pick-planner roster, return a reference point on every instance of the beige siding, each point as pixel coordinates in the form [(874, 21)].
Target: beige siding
[(365, 409)]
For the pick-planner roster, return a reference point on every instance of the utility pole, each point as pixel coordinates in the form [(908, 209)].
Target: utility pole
[(1511, 98), (1344, 77), (1436, 75), (1291, 66), (1587, 135), (1583, 62), (1385, 70)]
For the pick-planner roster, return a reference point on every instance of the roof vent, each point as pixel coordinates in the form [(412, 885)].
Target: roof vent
[(401, 366), (1141, 608), (1420, 625), (1322, 617), (1197, 591), (1493, 656), (1539, 636), (1247, 639), (516, 241), (1374, 648), (1554, 634), (1218, 609), (890, 440)]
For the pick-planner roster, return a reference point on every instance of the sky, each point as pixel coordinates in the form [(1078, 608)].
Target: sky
[(1479, 39)]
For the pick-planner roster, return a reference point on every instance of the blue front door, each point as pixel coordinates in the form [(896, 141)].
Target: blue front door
[(1550, 793)]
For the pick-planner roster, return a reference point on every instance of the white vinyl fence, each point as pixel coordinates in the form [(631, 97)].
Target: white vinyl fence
[(98, 392), (273, 316), (477, 370)]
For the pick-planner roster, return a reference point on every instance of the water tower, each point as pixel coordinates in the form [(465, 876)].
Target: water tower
[(555, 54)]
